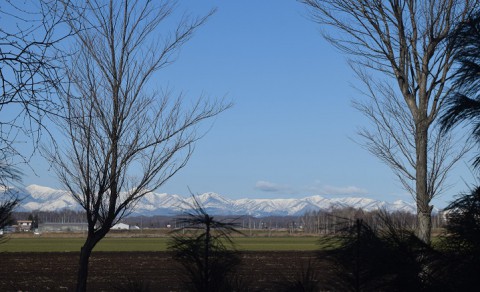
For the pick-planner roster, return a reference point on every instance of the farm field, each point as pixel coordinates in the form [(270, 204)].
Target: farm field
[(49, 262), (141, 244), (109, 271)]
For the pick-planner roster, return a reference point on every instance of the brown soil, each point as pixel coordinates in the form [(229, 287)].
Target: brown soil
[(112, 270)]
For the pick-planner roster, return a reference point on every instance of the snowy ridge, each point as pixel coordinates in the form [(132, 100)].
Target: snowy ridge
[(36, 197), (47, 199)]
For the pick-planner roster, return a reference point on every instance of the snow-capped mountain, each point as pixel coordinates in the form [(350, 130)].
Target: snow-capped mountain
[(36, 197)]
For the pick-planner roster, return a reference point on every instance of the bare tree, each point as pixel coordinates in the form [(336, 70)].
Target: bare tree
[(392, 139), (29, 71), (29, 75), (406, 42), (123, 140)]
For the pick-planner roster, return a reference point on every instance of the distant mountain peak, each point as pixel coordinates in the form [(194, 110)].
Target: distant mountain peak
[(38, 197), (36, 188)]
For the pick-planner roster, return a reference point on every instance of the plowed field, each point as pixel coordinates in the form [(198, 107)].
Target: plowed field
[(112, 270)]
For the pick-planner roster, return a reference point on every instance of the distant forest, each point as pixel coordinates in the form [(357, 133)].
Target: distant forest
[(321, 222)]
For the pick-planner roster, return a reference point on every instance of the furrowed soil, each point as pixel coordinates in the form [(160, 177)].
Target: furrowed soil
[(113, 271)]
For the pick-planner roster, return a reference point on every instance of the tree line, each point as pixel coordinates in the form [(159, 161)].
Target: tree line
[(313, 222), (332, 221)]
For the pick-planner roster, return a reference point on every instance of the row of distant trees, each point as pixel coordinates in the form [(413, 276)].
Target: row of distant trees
[(64, 216), (313, 222), (331, 221)]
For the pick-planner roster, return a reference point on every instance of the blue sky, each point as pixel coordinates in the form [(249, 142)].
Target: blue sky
[(292, 129)]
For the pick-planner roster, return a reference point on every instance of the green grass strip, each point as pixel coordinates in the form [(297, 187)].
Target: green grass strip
[(39, 244)]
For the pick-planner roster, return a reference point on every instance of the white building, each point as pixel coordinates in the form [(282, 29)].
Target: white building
[(120, 226)]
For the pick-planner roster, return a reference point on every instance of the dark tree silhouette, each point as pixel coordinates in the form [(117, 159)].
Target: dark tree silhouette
[(7, 205), (384, 258), (307, 279), (463, 223), (8, 196), (464, 104), (204, 248), (461, 243)]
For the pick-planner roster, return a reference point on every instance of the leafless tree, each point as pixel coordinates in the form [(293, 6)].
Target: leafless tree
[(124, 140), (405, 43), (29, 71), (392, 139), (29, 75)]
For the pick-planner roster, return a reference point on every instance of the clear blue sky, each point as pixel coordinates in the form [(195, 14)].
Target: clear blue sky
[(291, 131)]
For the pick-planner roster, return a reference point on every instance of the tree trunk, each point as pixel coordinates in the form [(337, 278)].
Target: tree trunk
[(85, 253), (424, 223), (207, 257)]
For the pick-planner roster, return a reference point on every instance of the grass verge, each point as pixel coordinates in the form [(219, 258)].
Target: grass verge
[(62, 244)]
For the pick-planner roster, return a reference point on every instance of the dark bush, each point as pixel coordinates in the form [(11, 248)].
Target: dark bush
[(205, 251), (461, 243), (386, 258)]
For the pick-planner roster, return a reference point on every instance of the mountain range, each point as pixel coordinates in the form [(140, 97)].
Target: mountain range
[(40, 198)]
